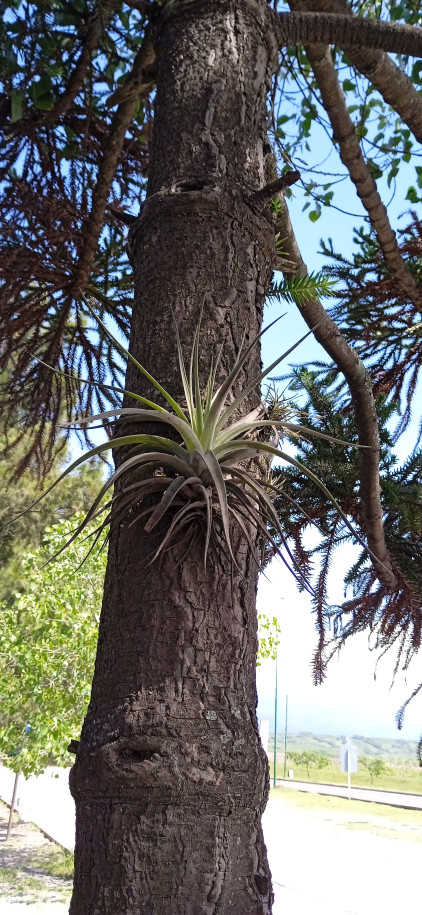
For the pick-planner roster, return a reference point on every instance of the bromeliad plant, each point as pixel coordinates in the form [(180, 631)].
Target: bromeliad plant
[(207, 477)]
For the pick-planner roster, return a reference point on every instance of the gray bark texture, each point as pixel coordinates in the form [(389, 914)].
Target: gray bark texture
[(170, 778)]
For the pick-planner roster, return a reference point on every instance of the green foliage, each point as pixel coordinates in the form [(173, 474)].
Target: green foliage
[(308, 759), (268, 637), (47, 648), (299, 289), (375, 766), (25, 533)]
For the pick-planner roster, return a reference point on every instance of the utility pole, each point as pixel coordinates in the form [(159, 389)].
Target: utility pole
[(275, 723), (285, 738), (12, 806)]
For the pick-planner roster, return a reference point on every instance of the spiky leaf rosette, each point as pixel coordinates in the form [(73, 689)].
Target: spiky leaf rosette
[(210, 474)]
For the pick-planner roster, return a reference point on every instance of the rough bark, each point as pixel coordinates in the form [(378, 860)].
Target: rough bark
[(170, 778)]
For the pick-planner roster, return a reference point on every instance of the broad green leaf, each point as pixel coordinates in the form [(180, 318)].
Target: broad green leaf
[(17, 100)]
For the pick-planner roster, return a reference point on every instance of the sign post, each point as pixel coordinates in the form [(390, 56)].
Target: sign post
[(12, 806), (348, 761), (285, 739), (15, 786)]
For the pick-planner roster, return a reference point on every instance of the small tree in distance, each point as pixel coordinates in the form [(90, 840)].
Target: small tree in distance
[(375, 767), (309, 760), (268, 638)]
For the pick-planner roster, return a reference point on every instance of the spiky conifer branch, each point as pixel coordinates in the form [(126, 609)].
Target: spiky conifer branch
[(53, 216), (358, 379), (134, 86), (300, 289), (393, 344), (393, 618)]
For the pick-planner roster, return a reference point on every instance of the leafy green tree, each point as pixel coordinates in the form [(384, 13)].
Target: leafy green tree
[(269, 637), (48, 640), (47, 649), (309, 760), (376, 767), (22, 531), (155, 115)]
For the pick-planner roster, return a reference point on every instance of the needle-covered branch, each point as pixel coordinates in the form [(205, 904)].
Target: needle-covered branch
[(358, 379), (134, 86), (91, 35)]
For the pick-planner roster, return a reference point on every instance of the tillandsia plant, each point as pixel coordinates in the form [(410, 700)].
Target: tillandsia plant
[(206, 478)]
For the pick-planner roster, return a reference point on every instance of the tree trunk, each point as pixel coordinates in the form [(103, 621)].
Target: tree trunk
[(170, 778)]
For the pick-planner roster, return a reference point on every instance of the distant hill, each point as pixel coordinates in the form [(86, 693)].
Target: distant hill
[(392, 750)]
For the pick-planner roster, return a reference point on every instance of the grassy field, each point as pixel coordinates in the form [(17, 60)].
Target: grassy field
[(401, 752), (380, 819), (402, 772), (394, 779)]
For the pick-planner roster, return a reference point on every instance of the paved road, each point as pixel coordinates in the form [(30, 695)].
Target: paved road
[(327, 862), (393, 798)]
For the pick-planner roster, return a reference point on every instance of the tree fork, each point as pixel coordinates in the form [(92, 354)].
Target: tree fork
[(392, 83), (170, 778)]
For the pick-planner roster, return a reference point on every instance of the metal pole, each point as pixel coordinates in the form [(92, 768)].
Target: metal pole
[(275, 725), (12, 806), (348, 775), (285, 739)]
